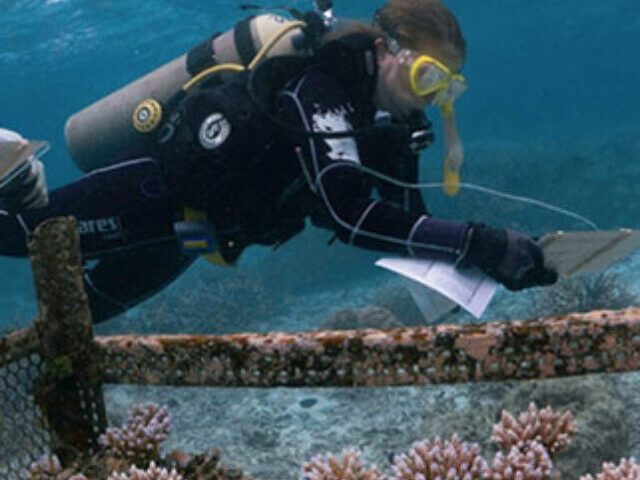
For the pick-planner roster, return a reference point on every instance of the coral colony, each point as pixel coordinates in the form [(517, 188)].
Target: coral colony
[(139, 439), (528, 442)]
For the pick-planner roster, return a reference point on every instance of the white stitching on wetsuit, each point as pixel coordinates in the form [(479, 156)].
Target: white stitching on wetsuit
[(408, 243), (361, 221), (413, 231)]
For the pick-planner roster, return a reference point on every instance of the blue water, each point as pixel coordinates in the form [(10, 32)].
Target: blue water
[(553, 98)]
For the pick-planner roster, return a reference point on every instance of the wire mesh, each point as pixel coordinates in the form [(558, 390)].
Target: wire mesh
[(24, 436)]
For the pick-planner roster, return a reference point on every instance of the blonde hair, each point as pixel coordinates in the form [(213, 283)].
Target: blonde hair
[(415, 23)]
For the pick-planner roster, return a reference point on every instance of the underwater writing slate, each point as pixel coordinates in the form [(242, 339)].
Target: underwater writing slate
[(572, 253)]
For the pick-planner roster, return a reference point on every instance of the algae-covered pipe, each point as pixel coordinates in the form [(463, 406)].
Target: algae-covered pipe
[(70, 393)]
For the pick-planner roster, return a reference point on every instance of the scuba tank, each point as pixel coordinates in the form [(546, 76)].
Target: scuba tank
[(116, 127)]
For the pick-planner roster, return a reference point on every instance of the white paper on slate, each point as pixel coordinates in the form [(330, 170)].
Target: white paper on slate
[(432, 304), (469, 288)]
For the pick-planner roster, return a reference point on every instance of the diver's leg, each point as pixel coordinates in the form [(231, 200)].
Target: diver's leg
[(116, 283), (125, 222), (117, 208)]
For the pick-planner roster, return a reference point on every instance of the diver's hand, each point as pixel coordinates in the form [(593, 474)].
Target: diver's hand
[(22, 179), (509, 257), (24, 187)]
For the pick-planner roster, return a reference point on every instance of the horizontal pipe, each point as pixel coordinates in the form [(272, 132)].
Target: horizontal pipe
[(600, 341), (18, 344)]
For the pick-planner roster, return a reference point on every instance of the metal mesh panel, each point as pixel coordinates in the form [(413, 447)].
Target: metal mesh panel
[(50, 387), (23, 434), (93, 411)]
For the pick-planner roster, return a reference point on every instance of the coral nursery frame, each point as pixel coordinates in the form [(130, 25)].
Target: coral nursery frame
[(51, 374)]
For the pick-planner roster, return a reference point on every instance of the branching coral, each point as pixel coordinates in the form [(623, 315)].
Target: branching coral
[(139, 439), (327, 467), (203, 467), (530, 461), (625, 470), (47, 466), (530, 441), (551, 429), (151, 473), (446, 460)]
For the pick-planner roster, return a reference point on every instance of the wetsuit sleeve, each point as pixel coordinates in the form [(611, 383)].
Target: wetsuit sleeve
[(334, 170), (394, 158)]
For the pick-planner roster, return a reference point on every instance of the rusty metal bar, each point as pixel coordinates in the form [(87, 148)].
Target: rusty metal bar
[(70, 393), (603, 341), (18, 344)]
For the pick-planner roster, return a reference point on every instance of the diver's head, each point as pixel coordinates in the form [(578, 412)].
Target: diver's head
[(420, 54)]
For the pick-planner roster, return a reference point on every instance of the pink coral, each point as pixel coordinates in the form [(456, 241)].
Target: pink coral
[(625, 470), (327, 467), (529, 462), (139, 439), (151, 473), (552, 429), (47, 466), (441, 460)]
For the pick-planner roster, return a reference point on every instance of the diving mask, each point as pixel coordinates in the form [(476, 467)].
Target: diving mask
[(428, 76), (432, 80)]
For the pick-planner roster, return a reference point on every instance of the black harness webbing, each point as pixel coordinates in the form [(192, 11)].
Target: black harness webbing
[(202, 56), (244, 41)]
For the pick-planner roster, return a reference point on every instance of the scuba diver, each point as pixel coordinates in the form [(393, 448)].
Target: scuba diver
[(243, 156)]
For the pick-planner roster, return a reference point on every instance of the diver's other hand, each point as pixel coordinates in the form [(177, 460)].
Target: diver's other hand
[(25, 187), (22, 178), (511, 258)]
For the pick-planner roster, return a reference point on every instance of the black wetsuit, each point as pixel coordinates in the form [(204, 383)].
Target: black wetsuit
[(258, 181)]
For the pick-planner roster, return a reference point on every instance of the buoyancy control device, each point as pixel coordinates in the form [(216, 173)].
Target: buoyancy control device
[(117, 127)]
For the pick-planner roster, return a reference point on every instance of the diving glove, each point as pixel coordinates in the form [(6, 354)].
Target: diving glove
[(511, 258), (22, 178)]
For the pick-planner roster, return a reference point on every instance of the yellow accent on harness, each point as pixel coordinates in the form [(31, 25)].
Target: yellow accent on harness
[(195, 244), (193, 215)]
